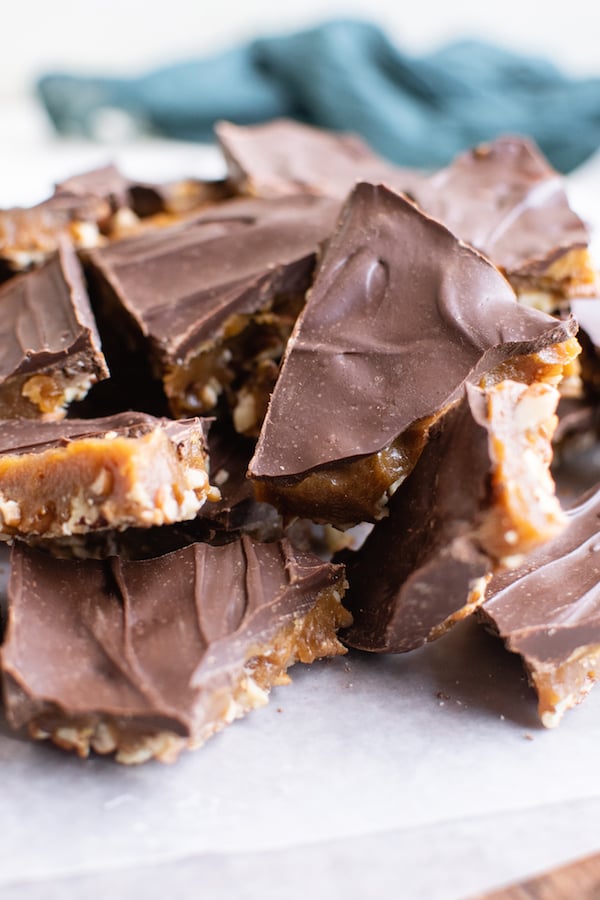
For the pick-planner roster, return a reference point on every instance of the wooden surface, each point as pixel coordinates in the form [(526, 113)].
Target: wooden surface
[(578, 881)]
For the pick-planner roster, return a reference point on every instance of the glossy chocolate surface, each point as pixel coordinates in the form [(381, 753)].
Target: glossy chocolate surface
[(45, 318), (401, 315), (284, 158), (19, 436), (507, 201), (181, 284), (104, 184), (149, 642), (549, 608)]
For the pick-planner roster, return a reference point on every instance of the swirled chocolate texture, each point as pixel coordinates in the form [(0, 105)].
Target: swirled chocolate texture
[(284, 158), (401, 315), (548, 611), (145, 658), (506, 200), (51, 350), (479, 494)]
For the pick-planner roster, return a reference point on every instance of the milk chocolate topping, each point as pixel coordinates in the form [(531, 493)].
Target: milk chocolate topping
[(20, 436), (149, 641), (45, 318), (550, 607), (508, 202), (400, 316), (104, 184), (415, 568), (548, 611), (283, 158), (180, 284)]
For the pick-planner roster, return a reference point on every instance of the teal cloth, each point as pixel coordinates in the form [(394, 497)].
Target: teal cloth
[(346, 75)]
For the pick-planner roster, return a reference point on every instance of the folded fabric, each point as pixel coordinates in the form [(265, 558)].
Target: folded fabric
[(347, 75)]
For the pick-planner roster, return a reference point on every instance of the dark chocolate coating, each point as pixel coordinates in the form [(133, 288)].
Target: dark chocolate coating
[(417, 566), (45, 318), (549, 607), (284, 158), (181, 284), (400, 316), (103, 184), (20, 436), (507, 201), (147, 643)]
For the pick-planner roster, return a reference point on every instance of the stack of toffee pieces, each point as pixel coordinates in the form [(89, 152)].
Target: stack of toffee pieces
[(366, 344)]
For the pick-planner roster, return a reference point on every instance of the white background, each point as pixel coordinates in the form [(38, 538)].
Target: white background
[(129, 35)]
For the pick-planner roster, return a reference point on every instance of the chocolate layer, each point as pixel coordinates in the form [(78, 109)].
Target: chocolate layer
[(161, 647), (548, 611), (51, 351), (20, 436), (106, 184), (285, 158), (469, 505), (401, 315), (180, 285), (507, 201)]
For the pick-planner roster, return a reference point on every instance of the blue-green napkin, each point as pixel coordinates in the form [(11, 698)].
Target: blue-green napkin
[(347, 75)]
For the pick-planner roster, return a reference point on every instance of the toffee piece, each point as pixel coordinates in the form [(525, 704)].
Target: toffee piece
[(479, 497), (175, 198), (29, 236), (68, 478), (51, 351), (215, 298), (283, 158), (506, 200), (130, 206), (401, 315), (143, 659), (237, 512), (548, 611)]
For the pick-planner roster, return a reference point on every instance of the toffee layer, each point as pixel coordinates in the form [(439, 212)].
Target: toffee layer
[(76, 476)]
